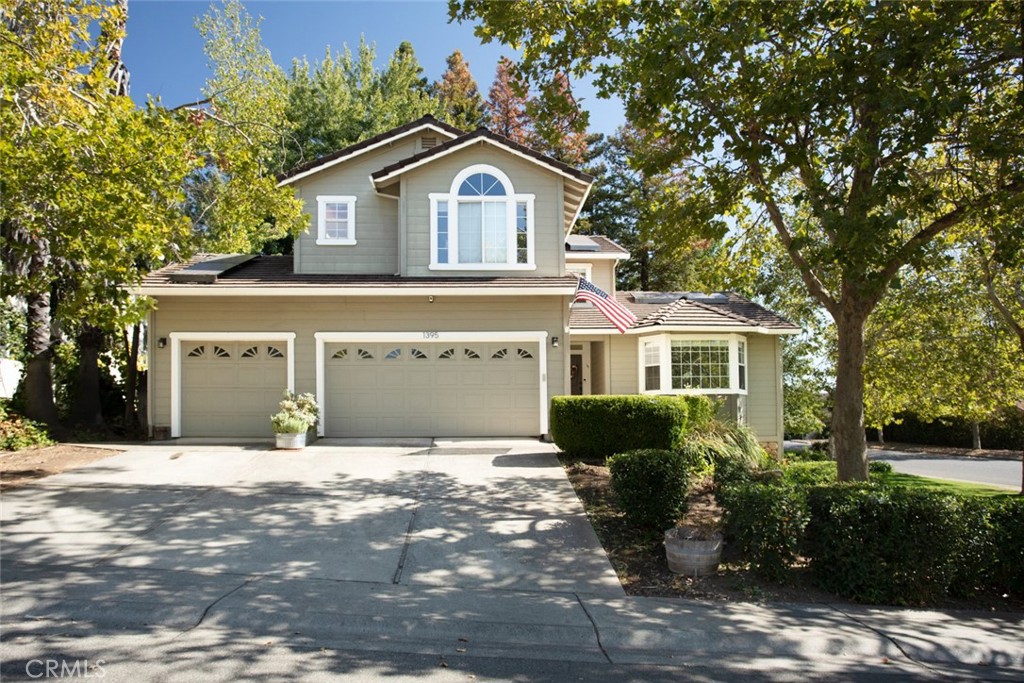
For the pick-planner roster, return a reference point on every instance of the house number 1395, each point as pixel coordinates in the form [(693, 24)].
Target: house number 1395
[(431, 335)]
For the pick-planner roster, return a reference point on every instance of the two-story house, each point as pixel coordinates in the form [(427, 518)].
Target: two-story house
[(432, 296)]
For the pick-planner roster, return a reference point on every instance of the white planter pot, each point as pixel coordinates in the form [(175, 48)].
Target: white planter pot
[(291, 442)]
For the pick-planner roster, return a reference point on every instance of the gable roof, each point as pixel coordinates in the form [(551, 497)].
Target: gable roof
[(328, 160), (574, 193), (680, 311), (483, 135)]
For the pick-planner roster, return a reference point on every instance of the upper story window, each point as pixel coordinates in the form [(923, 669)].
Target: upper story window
[(336, 219), (694, 365), (584, 270), (481, 224)]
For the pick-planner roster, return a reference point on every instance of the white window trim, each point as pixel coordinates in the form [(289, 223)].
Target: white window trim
[(431, 337), (511, 201), (321, 218), (664, 342), (588, 269), (178, 337)]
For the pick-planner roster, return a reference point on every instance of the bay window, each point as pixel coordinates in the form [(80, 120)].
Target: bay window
[(481, 224), (694, 364)]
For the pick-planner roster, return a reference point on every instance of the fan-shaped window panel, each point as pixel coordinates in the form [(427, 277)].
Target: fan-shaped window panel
[(523, 353), (340, 354), (221, 352), (274, 352), (364, 354), (417, 354), (446, 354), (251, 352), (482, 185), (471, 354), (197, 352), (393, 354), (499, 354)]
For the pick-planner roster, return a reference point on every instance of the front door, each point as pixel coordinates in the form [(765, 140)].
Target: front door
[(576, 374)]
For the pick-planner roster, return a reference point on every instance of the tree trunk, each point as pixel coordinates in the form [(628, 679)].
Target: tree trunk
[(976, 435), (38, 379), (645, 270), (87, 409), (849, 442), (131, 380)]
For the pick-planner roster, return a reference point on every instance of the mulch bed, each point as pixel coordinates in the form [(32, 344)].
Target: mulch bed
[(19, 468), (642, 569)]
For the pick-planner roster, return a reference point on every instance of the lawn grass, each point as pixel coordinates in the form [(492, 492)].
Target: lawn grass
[(913, 481)]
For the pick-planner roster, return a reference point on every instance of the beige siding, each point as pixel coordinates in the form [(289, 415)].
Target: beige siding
[(305, 317), (764, 393), (602, 272), (376, 224), (598, 376), (623, 368), (526, 177)]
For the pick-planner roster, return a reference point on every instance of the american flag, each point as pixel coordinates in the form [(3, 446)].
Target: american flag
[(617, 314)]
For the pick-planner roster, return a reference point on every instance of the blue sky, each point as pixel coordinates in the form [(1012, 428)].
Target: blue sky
[(164, 53)]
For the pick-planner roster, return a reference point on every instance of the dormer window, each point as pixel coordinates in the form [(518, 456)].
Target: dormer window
[(336, 219), (481, 224)]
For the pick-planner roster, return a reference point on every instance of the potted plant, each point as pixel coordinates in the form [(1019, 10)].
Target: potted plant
[(292, 424), (693, 550)]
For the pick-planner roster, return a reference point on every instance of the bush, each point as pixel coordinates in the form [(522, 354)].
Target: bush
[(17, 433), (1004, 430), (885, 544), (651, 485), (808, 474), (599, 426), (701, 412), (879, 467), (732, 449), (298, 414), (767, 521), (813, 454), (1006, 516)]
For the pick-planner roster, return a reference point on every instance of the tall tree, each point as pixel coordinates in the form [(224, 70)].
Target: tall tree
[(234, 201), (460, 100), (86, 175), (560, 125), (872, 116), (640, 211), (506, 104), (404, 93)]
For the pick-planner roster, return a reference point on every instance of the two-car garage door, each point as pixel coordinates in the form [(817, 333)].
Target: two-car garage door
[(431, 389)]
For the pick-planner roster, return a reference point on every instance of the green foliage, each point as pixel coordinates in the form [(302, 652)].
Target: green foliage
[(1005, 429), (805, 475), (767, 521), (812, 454), (599, 426), (887, 545), (1007, 523), (17, 433), (879, 467), (297, 414), (652, 486), (731, 449), (701, 413)]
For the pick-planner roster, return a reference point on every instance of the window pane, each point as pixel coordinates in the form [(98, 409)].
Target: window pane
[(481, 185), (700, 364), (495, 236), (652, 378), (442, 232), (470, 244), (336, 221)]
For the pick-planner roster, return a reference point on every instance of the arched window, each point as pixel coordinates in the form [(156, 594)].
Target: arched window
[(481, 223)]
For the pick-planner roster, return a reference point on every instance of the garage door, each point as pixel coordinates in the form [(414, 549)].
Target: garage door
[(431, 389), (231, 388)]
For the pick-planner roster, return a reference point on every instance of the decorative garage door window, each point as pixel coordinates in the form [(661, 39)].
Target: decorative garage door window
[(393, 354), (197, 352), (221, 352), (523, 353), (340, 354)]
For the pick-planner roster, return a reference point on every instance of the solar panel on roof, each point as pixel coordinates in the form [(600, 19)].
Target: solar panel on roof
[(581, 243), (206, 272)]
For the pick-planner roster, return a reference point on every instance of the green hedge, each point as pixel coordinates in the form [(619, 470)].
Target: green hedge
[(767, 522), (599, 426), (1006, 517), (889, 545), (651, 485)]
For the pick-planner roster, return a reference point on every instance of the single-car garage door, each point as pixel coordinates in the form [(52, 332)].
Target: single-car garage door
[(231, 388), (431, 389)]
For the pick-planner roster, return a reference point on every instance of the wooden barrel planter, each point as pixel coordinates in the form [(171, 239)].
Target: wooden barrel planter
[(693, 552)]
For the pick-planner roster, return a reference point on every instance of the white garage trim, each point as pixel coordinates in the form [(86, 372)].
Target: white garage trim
[(431, 336), (178, 337)]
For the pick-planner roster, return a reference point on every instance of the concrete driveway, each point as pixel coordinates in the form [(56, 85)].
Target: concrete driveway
[(495, 515)]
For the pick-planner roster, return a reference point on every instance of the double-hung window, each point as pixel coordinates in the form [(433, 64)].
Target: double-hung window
[(481, 224), (690, 364), (336, 219)]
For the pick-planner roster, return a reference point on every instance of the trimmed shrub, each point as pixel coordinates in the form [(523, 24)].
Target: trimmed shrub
[(599, 426), (879, 467), (1006, 516), (651, 485), (767, 521), (813, 454), (17, 433), (884, 544), (808, 474)]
